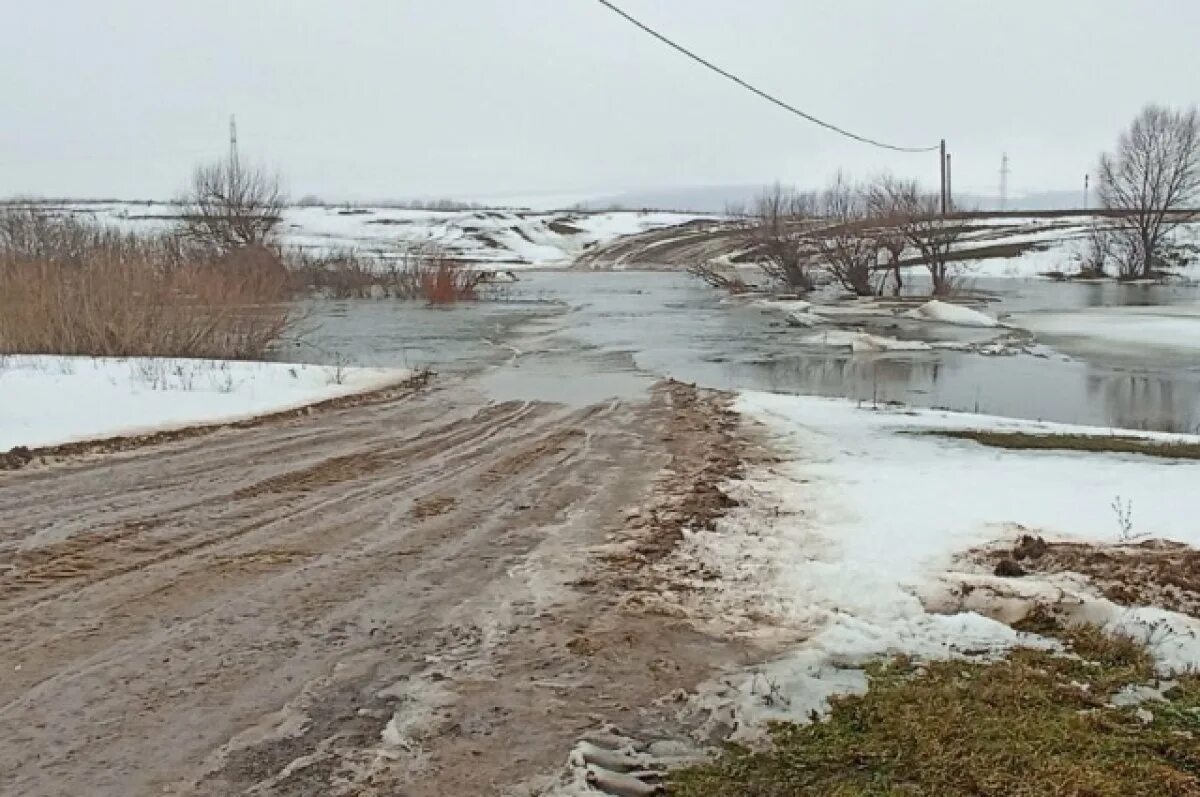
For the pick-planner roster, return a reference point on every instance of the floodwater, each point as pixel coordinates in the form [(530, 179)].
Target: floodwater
[(579, 337)]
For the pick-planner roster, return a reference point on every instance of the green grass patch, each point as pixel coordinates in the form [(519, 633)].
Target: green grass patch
[(1033, 724), (1075, 442)]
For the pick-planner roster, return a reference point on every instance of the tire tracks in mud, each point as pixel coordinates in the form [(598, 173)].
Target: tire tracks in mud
[(451, 438), (249, 610), (677, 247)]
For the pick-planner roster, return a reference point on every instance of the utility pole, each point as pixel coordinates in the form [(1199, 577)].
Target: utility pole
[(949, 201), (942, 159), (1004, 182), (233, 147), (1087, 185)]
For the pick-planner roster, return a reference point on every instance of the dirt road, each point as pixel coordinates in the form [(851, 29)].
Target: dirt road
[(394, 598), (671, 248)]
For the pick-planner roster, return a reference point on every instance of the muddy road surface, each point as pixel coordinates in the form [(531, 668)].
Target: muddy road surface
[(678, 247), (413, 597)]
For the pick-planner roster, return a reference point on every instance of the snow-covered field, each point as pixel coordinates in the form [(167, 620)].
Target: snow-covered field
[(511, 237), (848, 547), (557, 237), (46, 400), (1055, 244)]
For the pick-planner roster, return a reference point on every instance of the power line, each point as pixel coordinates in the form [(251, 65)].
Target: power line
[(757, 91)]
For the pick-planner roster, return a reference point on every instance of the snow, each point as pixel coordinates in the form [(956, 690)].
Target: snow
[(513, 237), (1058, 245), (842, 324), (47, 400), (844, 547), (1064, 255), (946, 313), (1172, 639), (863, 341), (894, 477)]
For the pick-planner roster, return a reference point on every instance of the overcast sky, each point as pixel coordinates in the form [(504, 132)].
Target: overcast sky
[(400, 98)]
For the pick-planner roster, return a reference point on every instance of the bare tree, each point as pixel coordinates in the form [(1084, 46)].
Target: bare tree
[(231, 205), (886, 208), (846, 247), (918, 217), (776, 234), (1152, 176)]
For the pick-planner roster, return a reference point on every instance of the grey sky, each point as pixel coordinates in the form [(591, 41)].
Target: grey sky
[(399, 98)]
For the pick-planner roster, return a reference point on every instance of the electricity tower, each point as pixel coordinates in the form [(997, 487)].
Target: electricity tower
[(233, 145), (1004, 182)]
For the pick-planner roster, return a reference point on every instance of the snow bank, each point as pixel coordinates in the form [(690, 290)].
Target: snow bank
[(894, 479), (840, 546), (46, 400), (1058, 245), (946, 313)]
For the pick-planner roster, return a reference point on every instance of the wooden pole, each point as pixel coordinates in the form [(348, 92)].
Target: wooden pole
[(942, 159), (948, 201)]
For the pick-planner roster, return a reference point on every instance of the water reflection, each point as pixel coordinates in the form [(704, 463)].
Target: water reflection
[(842, 375), (1148, 401)]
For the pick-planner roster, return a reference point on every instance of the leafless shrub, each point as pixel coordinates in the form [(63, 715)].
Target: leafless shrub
[(776, 234), (445, 281), (1151, 180), (230, 205), (718, 278), (1100, 251), (1124, 514), (408, 274)]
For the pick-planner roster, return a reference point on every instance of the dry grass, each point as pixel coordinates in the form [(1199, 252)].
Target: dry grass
[(445, 282), (69, 287), (1075, 442), (411, 274), (1033, 725), (1149, 573)]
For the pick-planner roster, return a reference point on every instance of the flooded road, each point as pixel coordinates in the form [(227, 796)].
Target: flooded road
[(579, 337)]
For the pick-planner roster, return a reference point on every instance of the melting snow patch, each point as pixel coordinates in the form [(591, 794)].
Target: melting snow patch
[(946, 313), (842, 552), (40, 396), (1172, 639), (863, 341)]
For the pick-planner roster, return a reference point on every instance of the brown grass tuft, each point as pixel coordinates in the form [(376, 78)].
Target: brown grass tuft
[(1075, 442)]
